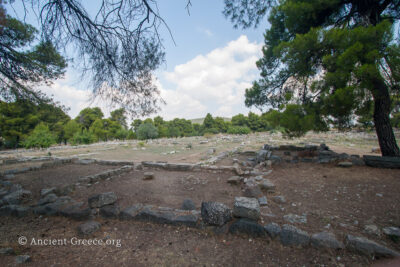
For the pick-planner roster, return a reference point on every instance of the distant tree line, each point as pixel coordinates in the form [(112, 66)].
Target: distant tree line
[(24, 123)]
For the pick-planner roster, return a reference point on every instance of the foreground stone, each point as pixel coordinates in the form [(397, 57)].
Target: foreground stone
[(14, 210), (392, 232), (245, 207), (249, 227), (110, 211), (88, 228), (101, 200), (279, 199), (292, 236), (382, 162), (7, 251), (367, 247), (160, 215), (22, 259), (49, 198), (273, 230), (294, 218), (17, 197), (326, 240), (188, 204), (267, 185), (46, 191), (235, 180), (148, 176), (75, 212), (345, 164), (215, 213)]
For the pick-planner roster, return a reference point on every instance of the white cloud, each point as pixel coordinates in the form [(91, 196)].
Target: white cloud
[(214, 82), (207, 32)]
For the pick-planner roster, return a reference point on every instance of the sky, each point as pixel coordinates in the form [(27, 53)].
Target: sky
[(207, 68)]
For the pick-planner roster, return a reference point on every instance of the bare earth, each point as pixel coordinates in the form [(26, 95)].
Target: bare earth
[(340, 200)]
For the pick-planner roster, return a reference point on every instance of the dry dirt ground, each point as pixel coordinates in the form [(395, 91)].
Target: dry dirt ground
[(340, 200)]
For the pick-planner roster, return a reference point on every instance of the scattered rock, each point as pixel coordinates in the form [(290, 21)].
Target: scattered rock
[(65, 190), (22, 259), (50, 198), (88, 228), (290, 235), (234, 180), (245, 207), (248, 227), (392, 232), (368, 247), (17, 197), (372, 230), (273, 229), (7, 251), (148, 176), (326, 240), (345, 164), (14, 210), (101, 200), (110, 211), (215, 213), (75, 212), (294, 218), (267, 185), (263, 201), (279, 199), (252, 191), (46, 191), (188, 204), (130, 212)]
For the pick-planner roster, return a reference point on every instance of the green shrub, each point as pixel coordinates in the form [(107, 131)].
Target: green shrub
[(239, 130), (131, 135), (211, 131), (147, 131), (296, 121), (40, 137), (396, 120), (84, 137)]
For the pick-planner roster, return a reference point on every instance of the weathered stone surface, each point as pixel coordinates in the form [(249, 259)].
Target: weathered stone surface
[(392, 232), (85, 161), (261, 155), (279, 199), (326, 240), (367, 247), (179, 166), (7, 251), (50, 198), (267, 185), (110, 211), (88, 228), (52, 208), (100, 200), (188, 204), (65, 190), (245, 207), (215, 213), (382, 162), (173, 217), (46, 191), (22, 259), (294, 218), (148, 176), (17, 197), (263, 201), (252, 190), (292, 236), (75, 212), (372, 229), (130, 212), (273, 229), (249, 227), (234, 180), (345, 164), (14, 210)]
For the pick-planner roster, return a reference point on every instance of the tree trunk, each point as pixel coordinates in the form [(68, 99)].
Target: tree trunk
[(384, 130)]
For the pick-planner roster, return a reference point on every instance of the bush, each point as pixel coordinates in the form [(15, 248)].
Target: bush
[(396, 120), (84, 137), (239, 130), (40, 137), (211, 131), (131, 135), (296, 121), (147, 131)]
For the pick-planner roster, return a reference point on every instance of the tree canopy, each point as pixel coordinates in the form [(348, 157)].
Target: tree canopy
[(334, 56), (118, 46)]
